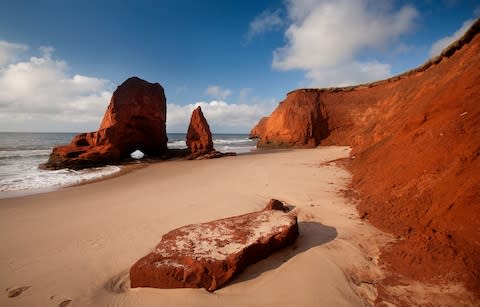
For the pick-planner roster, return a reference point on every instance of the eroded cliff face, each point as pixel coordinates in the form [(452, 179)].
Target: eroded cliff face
[(300, 121), (415, 158)]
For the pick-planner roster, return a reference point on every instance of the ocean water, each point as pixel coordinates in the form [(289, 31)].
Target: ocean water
[(239, 143), (21, 153)]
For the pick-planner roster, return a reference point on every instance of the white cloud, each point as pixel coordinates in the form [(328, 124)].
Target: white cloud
[(444, 42), (222, 117), (39, 93), (266, 21), (217, 92), (348, 74), (325, 37), (9, 52)]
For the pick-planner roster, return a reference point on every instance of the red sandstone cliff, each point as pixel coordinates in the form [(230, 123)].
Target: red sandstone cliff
[(416, 148)]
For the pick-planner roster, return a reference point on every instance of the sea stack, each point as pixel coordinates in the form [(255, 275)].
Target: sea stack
[(199, 137), (134, 120)]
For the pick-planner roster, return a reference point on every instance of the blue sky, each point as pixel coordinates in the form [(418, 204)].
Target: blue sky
[(61, 60)]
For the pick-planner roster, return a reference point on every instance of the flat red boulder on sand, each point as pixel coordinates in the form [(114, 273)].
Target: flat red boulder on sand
[(210, 254)]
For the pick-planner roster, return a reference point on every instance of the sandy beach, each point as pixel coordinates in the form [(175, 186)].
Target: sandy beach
[(78, 243)]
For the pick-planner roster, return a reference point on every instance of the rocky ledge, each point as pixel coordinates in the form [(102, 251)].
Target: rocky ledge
[(208, 255)]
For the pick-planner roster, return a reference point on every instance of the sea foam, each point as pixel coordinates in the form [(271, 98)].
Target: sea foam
[(41, 179)]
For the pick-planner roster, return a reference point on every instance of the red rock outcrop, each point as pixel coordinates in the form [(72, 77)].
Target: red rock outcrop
[(135, 119), (199, 137), (415, 158), (299, 121), (209, 255)]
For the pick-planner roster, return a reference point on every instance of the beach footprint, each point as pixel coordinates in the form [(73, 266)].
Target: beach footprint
[(65, 303), (119, 283), (17, 291)]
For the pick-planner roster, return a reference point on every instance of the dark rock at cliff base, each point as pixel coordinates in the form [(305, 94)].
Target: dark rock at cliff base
[(210, 254), (134, 120), (209, 155)]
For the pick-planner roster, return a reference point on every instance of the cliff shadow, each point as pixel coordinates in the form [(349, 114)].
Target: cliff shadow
[(312, 234)]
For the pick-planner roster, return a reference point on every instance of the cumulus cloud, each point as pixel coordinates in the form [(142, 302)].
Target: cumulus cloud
[(325, 38), (38, 93), (348, 74), (444, 42), (221, 116), (235, 115), (9, 52), (266, 21), (217, 92)]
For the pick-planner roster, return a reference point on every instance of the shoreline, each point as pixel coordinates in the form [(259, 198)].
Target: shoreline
[(22, 158), (125, 168)]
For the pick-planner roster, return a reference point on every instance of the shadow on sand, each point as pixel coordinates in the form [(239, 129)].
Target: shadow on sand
[(312, 234)]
